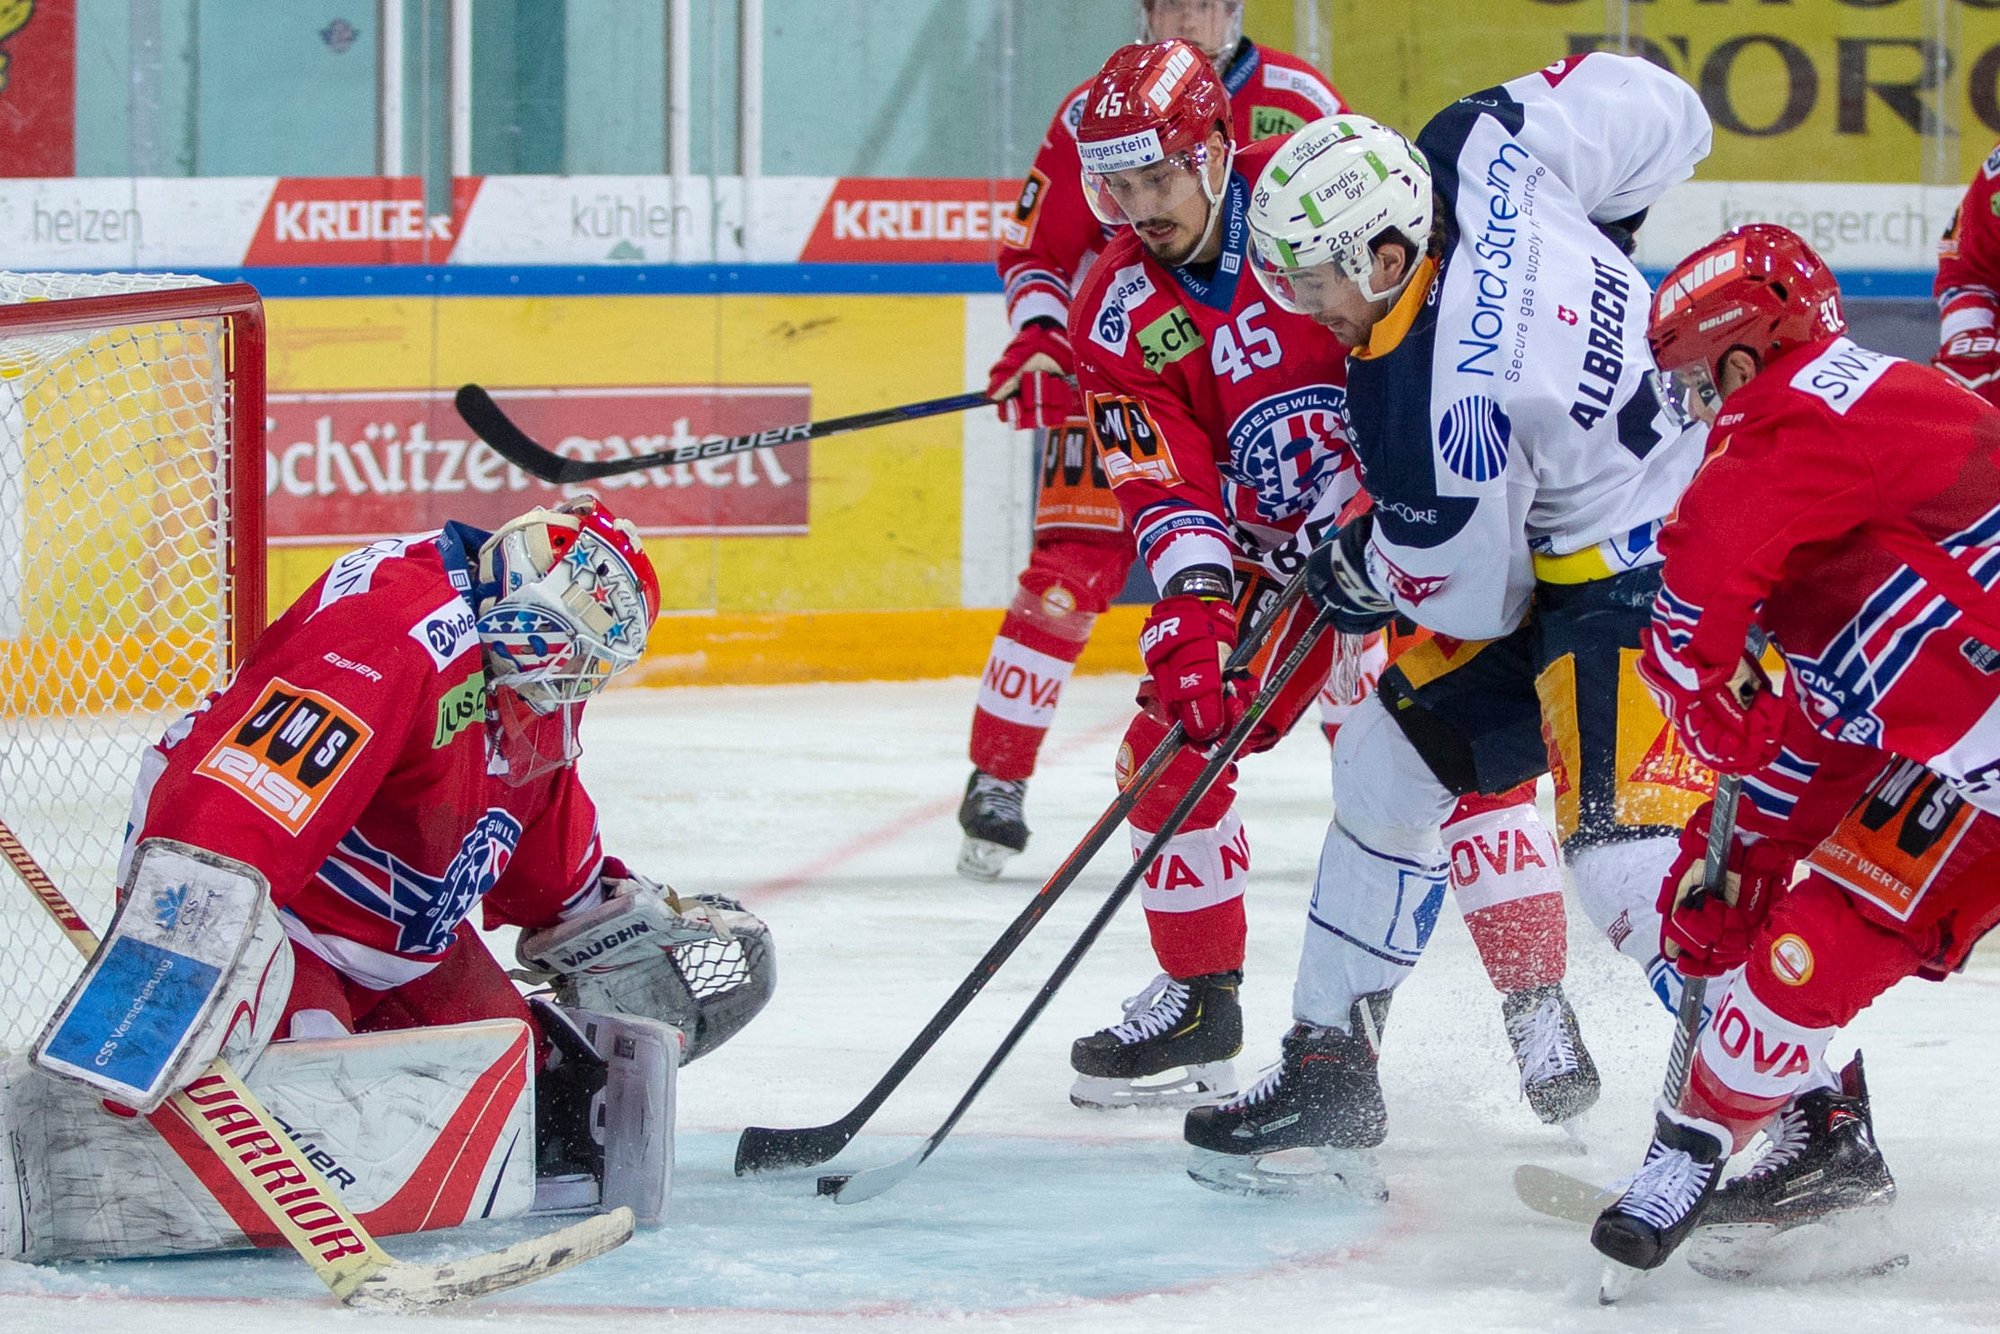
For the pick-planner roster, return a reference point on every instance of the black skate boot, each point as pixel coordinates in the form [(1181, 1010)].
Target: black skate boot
[(994, 826), (1306, 1124), (1663, 1200), (1194, 1026), (1820, 1166), (1557, 1075)]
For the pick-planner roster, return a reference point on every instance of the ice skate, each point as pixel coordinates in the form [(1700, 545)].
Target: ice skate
[(1308, 1123), (1557, 1075), (1661, 1202), (1173, 1049), (995, 828), (1813, 1205)]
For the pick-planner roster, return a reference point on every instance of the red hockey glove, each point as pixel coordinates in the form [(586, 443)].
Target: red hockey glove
[(1185, 643), (1027, 383), (1706, 935), (1973, 359), (1733, 723)]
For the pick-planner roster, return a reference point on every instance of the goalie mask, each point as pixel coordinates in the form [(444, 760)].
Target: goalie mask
[(567, 596)]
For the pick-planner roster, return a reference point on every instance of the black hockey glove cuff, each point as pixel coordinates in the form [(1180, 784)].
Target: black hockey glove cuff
[(1337, 580)]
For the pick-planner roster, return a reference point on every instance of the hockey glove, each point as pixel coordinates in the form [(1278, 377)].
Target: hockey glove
[(1337, 580), (1734, 723), (1973, 359), (1185, 643), (1706, 935), (1027, 384)]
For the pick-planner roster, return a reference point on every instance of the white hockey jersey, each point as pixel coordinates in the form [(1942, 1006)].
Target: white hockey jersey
[(1506, 412)]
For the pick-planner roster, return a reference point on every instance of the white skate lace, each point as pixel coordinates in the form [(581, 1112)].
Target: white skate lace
[(1785, 1140), (998, 796), (1153, 1011), (1541, 1039), (1664, 1188), (1267, 1084)]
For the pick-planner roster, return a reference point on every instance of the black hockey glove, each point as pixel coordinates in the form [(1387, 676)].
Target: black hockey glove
[(1337, 580)]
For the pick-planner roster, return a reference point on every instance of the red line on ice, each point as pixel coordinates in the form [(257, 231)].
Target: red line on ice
[(897, 826)]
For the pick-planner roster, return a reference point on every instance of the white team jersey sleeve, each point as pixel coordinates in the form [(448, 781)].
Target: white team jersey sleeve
[(1519, 418), (1617, 130)]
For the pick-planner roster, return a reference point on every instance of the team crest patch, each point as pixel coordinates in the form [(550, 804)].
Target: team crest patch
[(1473, 437), (1791, 960), (289, 751), (1287, 448), (1991, 167)]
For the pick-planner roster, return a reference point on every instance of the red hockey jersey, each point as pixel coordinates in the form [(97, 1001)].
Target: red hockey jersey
[(1053, 236), (1850, 504), (1220, 417), (1967, 285), (350, 762)]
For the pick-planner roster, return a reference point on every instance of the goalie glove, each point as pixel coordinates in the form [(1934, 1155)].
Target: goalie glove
[(702, 964)]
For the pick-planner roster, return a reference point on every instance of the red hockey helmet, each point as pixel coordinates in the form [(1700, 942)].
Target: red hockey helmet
[(1760, 288), (1144, 133)]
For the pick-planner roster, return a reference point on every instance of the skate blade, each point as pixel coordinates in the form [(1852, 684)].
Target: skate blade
[(1318, 1173), (981, 860), (1856, 1243), (1194, 1086), (1615, 1282), (1576, 1133)]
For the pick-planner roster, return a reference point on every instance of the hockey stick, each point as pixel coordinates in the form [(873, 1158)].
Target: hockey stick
[(851, 1188), (1714, 880), (763, 1149), (513, 444), (297, 1201)]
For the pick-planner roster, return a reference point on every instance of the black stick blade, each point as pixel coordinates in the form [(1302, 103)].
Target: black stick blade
[(761, 1149), (509, 441)]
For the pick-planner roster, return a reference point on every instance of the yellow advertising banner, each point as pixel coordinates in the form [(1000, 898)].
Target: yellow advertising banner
[(1819, 90)]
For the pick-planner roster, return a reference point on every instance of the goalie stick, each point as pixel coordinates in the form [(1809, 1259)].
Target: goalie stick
[(511, 443), (851, 1188), (764, 1149), (297, 1201)]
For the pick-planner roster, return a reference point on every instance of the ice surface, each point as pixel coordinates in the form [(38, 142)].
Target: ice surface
[(828, 809)]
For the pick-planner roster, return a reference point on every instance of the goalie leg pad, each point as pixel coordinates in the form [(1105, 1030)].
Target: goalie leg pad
[(441, 1135), (195, 965)]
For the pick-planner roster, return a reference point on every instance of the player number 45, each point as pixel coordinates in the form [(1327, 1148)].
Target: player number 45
[(1244, 346)]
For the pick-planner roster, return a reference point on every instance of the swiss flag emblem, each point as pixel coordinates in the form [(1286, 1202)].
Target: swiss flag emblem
[(1562, 69)]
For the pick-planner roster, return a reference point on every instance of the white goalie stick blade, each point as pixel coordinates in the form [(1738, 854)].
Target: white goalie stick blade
[(404, 1286), (1349, 1174), (1193, 1086), (1560, 1195)]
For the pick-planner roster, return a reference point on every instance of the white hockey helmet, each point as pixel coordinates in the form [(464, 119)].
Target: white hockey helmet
[(1215, 26), (1334, 187)]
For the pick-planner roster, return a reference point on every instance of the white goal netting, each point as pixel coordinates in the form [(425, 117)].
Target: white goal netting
[(120, 561)]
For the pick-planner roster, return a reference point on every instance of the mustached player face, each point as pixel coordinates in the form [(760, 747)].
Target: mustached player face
[(1165, 206)]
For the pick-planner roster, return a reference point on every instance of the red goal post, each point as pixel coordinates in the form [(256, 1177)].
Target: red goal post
[(132, 575)]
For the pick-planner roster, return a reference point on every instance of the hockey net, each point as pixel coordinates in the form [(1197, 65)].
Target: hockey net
[(131, 567)]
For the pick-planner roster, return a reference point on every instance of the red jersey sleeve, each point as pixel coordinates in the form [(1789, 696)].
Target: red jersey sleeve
[(1967, 286), (555, 865), (282, 763), (1764, 491), (1052, 231), (1157, 456)]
